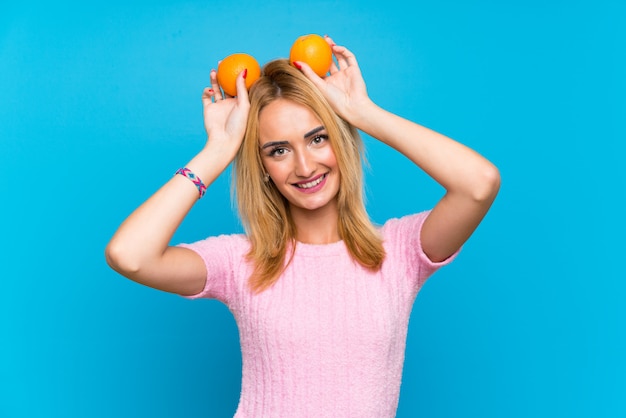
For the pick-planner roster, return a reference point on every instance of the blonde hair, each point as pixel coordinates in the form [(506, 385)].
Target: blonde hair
[(265, 212)]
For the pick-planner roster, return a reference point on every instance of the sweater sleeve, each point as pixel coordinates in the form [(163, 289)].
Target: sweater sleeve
[(403, 244), (222, 256)]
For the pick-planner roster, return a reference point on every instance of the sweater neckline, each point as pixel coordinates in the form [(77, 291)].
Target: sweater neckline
[(318, 250)]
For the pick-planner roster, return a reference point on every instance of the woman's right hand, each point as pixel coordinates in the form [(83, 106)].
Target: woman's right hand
[(225, 117), (140, 247)]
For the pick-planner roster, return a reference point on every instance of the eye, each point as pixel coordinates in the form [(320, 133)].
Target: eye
[(277, 152), (318, 139)]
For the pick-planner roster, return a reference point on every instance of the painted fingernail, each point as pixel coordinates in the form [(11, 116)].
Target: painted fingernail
[(211, 91), (297, 65), (245, 73)]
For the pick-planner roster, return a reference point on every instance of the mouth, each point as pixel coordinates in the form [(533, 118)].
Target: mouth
[(312, 183)]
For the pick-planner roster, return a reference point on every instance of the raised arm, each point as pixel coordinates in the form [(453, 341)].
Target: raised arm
[(471, 181), (139, 249)]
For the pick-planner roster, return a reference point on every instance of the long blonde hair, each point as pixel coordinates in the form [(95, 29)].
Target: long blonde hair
[(265, 212)]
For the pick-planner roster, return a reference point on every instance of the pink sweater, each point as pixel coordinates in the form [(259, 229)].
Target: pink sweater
[(328, 339)]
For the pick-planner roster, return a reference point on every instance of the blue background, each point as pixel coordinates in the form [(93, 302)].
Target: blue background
[(100, 104)]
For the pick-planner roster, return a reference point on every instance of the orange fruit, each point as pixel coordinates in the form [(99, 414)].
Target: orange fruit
[(313, 50), (230, 67)]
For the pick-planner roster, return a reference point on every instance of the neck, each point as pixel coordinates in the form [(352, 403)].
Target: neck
[(316, 226)]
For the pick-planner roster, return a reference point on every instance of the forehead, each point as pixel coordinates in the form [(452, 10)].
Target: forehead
[(284, 119)]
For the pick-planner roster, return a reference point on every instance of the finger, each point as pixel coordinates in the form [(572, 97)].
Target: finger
[(207, 96), (309, 73), (215, 86), (333, 66), (336, 52), (342, 60), (329, 41), (242, 90), (345, 57)]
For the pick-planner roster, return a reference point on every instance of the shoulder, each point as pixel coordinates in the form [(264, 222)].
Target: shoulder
[(223, 257), (219, 243), (402, 242), (407, 226), (220, 252)]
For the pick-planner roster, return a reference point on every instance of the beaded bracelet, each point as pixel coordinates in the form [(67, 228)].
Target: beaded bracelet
[(194, 179)]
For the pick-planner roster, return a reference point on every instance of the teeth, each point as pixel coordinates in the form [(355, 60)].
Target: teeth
[(311, 183)]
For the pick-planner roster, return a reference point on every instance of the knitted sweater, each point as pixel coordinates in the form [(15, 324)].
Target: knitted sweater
[(328, 339)]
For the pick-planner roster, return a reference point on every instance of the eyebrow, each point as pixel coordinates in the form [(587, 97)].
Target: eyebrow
[(314, 131), (306, 135), (274, 143)]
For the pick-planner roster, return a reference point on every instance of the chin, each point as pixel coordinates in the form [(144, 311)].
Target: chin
[(313, 205)]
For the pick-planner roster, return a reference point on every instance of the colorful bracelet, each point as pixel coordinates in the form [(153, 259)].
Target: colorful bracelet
[(194, 179)]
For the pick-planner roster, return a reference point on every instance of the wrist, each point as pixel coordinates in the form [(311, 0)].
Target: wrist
[(194, 178), (362, 114), (208, 164)]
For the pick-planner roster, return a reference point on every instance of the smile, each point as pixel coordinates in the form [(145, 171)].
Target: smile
[(311, 183)]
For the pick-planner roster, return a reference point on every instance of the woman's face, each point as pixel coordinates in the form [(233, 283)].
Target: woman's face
[(297, 155)]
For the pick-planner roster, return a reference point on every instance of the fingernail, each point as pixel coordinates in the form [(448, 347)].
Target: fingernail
[(211, 91), (297, 65), (245, 73)]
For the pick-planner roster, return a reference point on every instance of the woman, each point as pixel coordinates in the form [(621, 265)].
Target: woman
[(321, 297)]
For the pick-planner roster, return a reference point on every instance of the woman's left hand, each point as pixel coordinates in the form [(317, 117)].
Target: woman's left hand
[(344, 88)]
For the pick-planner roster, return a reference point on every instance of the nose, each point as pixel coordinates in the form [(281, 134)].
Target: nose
[(305, 165)]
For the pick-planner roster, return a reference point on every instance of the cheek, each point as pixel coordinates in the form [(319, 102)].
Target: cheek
[(274, 168), (329, 157)]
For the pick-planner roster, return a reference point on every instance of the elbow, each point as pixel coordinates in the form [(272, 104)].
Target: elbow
[(487, 184), (120, 259)]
